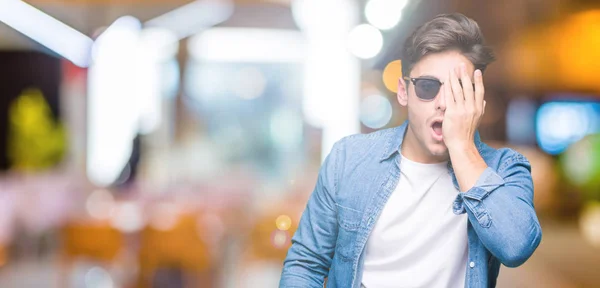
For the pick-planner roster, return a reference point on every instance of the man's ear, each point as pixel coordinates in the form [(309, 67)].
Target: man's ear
[(402, 93)]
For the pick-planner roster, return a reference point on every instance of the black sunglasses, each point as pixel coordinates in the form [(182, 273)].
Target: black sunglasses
[(427, 88)]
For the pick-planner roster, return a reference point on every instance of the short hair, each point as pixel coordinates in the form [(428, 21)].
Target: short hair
[(447, 32)]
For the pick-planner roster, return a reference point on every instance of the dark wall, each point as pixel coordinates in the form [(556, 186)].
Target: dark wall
[(20, 70)]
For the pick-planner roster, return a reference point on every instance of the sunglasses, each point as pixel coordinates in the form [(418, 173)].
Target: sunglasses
[(427, 88)]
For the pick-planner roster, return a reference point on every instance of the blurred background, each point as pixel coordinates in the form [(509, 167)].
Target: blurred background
[(174, 143)]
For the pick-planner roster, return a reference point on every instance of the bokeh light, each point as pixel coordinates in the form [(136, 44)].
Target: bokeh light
[(283, 222), (365, 41), (590, 223), (375, 111), (128, 217), (98, 278), (280, 239), (559, 124), (392, 74), (384, 14), (100, 204)]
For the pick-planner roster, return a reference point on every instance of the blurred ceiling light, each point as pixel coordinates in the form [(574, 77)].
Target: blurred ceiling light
[(159, 44), (46, 30), (391, 74), (247, 45), (125, 28), (331, 73), (250, 83), (375, 111), (384, 14), (316, 14), (365, 41), (301, 11), (194, 17), (113, 114)]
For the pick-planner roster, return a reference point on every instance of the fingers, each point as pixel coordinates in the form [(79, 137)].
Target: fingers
[(467, 85), (449, 98), (457, 91), (479, 90)]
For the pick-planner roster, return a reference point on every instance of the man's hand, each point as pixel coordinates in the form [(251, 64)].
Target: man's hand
[(464, 109)]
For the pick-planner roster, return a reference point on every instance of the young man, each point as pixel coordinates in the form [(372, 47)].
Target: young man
[(425, 204)]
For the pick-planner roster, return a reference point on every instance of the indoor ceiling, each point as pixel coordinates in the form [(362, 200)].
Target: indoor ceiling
[(87, 16)]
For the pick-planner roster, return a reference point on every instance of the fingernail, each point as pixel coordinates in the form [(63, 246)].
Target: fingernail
[(478, 73)]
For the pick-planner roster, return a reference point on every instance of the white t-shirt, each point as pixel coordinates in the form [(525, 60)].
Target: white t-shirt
[(418, 241)]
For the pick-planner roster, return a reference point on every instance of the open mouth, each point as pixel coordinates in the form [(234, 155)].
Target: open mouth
[(437, 129)]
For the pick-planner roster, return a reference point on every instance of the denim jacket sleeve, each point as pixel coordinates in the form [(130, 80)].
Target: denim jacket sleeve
[(309, 258), (500, 208)]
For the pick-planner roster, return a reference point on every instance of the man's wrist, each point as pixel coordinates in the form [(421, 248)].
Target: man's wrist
[(460, 147), (467, 163)]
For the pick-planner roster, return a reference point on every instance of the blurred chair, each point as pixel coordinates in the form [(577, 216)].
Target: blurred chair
[(3, 255), (267, 241), (177, 247), (95, 241), (267, 244)]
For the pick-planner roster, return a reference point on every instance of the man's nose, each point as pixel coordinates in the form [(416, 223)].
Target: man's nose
[(440, 101)]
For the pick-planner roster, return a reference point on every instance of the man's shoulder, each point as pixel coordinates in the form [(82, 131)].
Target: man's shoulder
[(367, 142), (372, 137), (501, 157)]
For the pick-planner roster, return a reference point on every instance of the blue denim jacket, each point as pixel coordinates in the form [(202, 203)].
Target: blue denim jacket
[(356, 180)]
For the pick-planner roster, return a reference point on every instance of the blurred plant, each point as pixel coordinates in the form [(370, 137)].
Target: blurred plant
[(35, 140), (581, 166)]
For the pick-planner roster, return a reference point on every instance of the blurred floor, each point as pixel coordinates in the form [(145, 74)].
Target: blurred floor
[(563, 260)]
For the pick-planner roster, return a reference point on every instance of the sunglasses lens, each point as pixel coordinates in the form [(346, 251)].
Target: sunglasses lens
[(427, 89)]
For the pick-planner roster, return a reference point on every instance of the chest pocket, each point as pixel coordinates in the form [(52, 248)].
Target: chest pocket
[(349, 223)]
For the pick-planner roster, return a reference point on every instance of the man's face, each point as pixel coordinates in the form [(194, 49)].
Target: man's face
[(424, 117)]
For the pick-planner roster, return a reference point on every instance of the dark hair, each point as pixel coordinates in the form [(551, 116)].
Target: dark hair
[(447, 32)]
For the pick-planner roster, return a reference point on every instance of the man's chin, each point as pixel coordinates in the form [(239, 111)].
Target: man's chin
[(438, 149)]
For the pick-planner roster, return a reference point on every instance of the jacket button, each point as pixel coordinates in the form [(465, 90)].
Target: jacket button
[(472, 264)]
